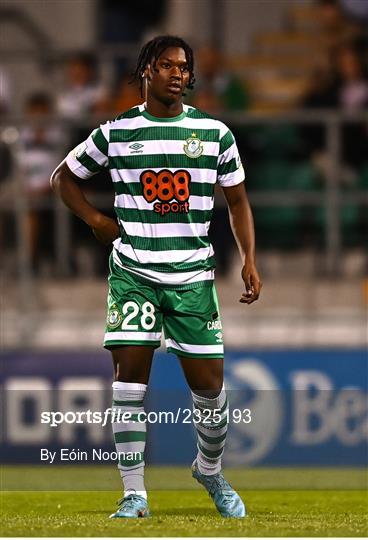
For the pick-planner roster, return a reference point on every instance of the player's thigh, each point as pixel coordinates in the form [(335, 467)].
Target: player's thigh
[(192, 323), (132, 363), (133, 312)]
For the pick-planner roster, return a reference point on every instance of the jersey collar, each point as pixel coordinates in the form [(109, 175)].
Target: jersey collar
[(149, 116)]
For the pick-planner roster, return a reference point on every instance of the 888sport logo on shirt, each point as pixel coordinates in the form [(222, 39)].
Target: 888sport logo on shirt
[(169, 189)]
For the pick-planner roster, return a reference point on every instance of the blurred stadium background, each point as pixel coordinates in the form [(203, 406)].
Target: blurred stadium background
[(290, 78)]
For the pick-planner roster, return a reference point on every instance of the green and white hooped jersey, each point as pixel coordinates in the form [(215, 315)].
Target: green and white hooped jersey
[(164, 172)]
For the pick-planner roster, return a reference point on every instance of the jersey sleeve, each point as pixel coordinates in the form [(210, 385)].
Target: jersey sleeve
[(230, 170), (91, 155)]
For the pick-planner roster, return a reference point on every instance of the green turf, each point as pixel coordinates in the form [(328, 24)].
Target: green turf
[(276, 511), (177, 513), (106, 478)]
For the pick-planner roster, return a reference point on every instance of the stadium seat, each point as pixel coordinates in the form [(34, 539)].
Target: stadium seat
[(362, 226), (363, 178), (349, 222), (280, 227), (275, 141)]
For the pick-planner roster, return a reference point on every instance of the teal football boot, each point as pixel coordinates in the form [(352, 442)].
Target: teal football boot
[(132, 506), (226, 499)]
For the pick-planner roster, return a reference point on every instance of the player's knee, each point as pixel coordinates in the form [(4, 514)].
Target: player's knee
[(210, 387), (130, 373), (130, 376)]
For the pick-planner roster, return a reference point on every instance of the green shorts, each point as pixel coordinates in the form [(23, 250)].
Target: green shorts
[(137, 312)]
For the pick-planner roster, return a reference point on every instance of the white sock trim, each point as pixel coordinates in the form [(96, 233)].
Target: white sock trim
[(134, 492), (211, 403), (118, 385)]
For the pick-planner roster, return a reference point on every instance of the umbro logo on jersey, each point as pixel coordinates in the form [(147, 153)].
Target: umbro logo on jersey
[(136, 148)]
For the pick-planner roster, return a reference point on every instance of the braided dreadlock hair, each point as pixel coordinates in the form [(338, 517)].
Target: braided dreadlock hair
[(154, 48)]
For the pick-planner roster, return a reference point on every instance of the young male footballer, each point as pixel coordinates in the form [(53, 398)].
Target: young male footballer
[(164, 159)]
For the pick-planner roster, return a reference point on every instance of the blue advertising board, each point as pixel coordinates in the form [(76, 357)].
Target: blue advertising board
[(287, 407)]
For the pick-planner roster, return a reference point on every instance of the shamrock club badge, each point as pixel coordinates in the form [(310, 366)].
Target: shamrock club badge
[(193, 146)]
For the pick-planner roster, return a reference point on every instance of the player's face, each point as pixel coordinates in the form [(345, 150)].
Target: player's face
[(170, 76)]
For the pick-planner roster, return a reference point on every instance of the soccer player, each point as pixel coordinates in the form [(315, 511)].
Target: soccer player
[(164, 159)]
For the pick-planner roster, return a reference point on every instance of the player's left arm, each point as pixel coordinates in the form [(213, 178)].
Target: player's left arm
[(242, 225)]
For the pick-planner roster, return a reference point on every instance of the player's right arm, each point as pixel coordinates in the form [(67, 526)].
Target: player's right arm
[(81, 164), (64, 183)]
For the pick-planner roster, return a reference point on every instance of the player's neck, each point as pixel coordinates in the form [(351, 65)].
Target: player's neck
[(163, 110)]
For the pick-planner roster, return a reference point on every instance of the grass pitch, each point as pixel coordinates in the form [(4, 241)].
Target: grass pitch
[(280, 502)]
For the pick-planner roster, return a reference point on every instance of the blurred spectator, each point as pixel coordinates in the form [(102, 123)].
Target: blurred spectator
[(321, 94), (358, 9), (122, 23), (4, 92), (5, 157), (346, 89), (352, 96), (83, 92), (41, 146), (127, 95), (83, 95), (216, 89), (352, 87), (7, 228), (336, 27)]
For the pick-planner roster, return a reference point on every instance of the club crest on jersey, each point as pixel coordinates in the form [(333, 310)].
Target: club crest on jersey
[(193, 146), (114, 317)]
